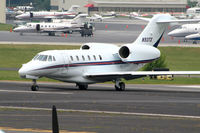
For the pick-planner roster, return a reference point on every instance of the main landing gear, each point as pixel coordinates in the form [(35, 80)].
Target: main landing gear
[(34, 87), (82, 86), (119, 86)]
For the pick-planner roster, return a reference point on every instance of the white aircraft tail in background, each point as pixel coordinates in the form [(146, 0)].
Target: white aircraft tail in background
[(99, 62), (98, 17), (73, 9)]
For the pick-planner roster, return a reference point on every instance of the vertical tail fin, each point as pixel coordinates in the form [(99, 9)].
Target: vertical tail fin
[(73, 9), (154, 31), (79, 19)]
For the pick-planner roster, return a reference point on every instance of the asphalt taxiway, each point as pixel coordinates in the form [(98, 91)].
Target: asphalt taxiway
[(110, 31), (141, 108)]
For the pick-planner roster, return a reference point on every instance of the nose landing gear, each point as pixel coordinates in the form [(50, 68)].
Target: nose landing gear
[(34, 87)]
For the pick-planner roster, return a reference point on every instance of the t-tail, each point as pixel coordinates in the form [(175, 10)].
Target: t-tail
[(73, 9), (154, 30), (144, 50), (80, 19)]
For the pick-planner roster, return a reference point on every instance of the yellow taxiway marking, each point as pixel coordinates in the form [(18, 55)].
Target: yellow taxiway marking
[(37, 130)]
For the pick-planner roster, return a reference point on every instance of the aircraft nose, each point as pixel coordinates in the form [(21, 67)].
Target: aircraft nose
[(172, 33), (22, 72), (18, 16), (16, 29)]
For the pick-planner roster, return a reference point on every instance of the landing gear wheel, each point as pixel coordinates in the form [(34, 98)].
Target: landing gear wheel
[(121, 86), (34, 87), (194, 42), (82, 87)]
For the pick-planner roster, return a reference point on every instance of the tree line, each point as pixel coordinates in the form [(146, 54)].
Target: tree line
[(37, 4)]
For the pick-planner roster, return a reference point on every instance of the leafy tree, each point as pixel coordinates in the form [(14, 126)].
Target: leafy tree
[(42, 5), (160, 63), (37, 4)]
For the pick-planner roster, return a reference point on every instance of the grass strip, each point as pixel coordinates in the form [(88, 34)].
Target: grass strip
[(5, 27)]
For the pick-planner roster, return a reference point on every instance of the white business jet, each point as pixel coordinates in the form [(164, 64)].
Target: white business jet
[(99, 62), (51, 28), (72, 12), (23, 8), (97, 17), (188, 31)]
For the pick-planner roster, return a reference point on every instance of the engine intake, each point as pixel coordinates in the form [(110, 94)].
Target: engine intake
[(124, 52)]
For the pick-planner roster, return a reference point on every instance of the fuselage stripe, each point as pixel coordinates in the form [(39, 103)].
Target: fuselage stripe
[(96, 64)]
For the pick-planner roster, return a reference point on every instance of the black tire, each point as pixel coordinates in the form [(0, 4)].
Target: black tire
[(82, 87), (121, 87), (34, 87), (194, 42)]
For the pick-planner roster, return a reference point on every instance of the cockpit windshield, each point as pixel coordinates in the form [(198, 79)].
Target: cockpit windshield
[(182, 27), (40, 57)]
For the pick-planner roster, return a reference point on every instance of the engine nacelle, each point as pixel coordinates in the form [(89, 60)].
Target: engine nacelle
[(138, 53), (99, 46)]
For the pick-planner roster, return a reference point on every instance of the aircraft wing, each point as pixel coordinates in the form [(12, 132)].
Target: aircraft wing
[(142, 18), (108, 17), (141, 73), (173, 20), (178, 21)]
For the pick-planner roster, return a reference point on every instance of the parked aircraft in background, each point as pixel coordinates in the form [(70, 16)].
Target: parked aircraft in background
[(51, 28), (112, 13), (72, 12), (187, 31), (97, 17), (10, 13), (135, 14), (99, 62), (23, 8)]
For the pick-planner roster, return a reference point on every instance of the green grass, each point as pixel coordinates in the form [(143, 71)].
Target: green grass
[(13, 56), (5, 27), (178, 58)]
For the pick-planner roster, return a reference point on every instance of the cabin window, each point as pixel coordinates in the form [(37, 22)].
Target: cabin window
[(77, 58), (45, 25), (42, 26), (100, 57), (49, 26), (88, 57), (94, 57), (71, 58), (83, 58), (195, 28), (44, 58)]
